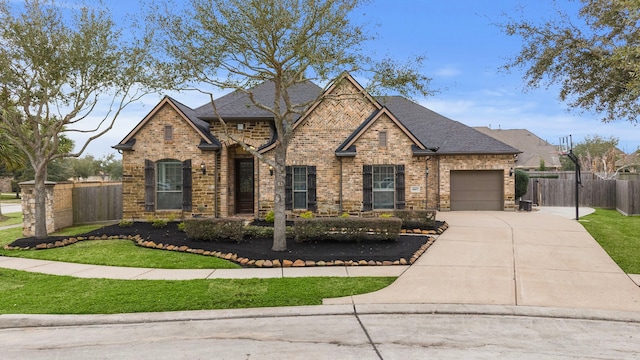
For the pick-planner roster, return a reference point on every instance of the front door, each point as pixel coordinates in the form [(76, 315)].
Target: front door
[(244, 186)]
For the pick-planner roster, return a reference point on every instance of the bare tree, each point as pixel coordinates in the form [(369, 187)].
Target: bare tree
[(57, 66), (236, 44)]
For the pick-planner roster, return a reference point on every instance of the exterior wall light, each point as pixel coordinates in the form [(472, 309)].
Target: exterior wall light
[(511, 172), (270, 170), (203, 167)]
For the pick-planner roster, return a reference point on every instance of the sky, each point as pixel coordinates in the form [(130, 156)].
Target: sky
[(465, 51)]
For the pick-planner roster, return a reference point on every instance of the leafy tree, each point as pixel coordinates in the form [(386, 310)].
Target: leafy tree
[(56, 65), (235, 44), (85, 166), (111, 167), (543, 165), (593, 55), (522, 183)]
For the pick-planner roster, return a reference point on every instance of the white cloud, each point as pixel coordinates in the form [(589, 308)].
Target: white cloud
[(447, 71)]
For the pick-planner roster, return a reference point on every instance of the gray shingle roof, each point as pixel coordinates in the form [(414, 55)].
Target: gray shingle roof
[(238, 105), (202, 125), (435, 130)]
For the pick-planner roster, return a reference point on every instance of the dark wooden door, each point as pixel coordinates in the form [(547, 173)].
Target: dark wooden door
[(244, 186)]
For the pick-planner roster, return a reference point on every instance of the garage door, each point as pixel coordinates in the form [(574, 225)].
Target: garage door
[(477, 190)]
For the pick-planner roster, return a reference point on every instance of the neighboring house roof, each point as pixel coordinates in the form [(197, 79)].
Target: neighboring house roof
[(533, 148), (435, 130), (238, 105)]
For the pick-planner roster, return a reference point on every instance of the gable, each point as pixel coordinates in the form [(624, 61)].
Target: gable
[(183, 115), (384, 115)]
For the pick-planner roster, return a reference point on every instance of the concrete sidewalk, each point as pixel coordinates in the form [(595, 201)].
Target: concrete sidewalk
[(133, 273), (511, 258)]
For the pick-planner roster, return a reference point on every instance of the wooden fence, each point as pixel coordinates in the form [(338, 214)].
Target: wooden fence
[(97, 202), (628, 197), (608, 194)]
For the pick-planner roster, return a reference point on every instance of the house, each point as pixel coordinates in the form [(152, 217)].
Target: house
[(534, 149), (357, 154)]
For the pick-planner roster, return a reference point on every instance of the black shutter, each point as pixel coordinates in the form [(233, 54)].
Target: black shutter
[(149, 185), (367, 187), (311, 188), (288, 188), (400, 201), (187, 185)]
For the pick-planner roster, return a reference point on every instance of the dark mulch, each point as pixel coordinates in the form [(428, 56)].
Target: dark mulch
[(404, 247)]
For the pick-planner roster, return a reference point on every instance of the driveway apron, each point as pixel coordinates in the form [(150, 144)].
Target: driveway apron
[(511, 258)]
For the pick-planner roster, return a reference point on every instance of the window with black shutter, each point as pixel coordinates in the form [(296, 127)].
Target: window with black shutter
[(187, 185), (383, 187), (367, 187), (301, 188), (149, 186)]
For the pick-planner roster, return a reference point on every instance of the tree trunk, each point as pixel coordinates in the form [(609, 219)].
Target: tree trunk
[(279, 206), (40, 202)]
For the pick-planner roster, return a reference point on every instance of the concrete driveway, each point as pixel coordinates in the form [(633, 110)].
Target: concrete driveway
[(511, 258)]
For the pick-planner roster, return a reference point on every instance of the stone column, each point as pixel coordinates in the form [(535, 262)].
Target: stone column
[(27, 189)]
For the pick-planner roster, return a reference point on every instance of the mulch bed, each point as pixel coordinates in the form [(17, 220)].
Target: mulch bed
[(255, 252)]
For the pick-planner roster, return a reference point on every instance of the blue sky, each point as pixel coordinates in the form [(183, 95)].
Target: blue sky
[(464, 50)]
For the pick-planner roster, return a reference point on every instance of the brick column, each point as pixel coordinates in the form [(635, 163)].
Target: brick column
[(29, 207)]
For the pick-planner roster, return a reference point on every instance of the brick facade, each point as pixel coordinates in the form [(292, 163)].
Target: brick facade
[(150, 145), (339, 180)]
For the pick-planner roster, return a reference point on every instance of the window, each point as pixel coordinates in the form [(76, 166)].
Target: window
[(168, 133), (299, 187), (382, 139), (383, 187), (169, 185)]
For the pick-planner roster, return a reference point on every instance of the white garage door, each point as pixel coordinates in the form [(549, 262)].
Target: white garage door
[(477, 190)]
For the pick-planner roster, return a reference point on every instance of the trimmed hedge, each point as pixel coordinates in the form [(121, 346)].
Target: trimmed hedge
[(416, 219), (347, 229), (255, 232), (215, 229)]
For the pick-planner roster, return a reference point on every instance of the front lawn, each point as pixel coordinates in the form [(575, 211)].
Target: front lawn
[(11, 219), (30, 293), (112, 253), (618, 235)]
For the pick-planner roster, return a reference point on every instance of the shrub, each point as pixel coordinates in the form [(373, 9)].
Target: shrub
[(306, 215), (416, 219), (386, 216), (159, 223), (255, 232), (125, 223), (522, 182), (215, 229), (345, 215), (270, 217), (347, 229), (181, 226)]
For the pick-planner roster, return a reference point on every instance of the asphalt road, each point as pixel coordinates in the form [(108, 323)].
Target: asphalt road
[(398, 332)]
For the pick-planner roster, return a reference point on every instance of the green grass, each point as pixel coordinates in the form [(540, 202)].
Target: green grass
[(9, 198), (12, 219), (618, 235), (112, 253), (30, 293)]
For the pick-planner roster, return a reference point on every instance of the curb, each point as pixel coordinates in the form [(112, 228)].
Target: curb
[(13, 321)]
